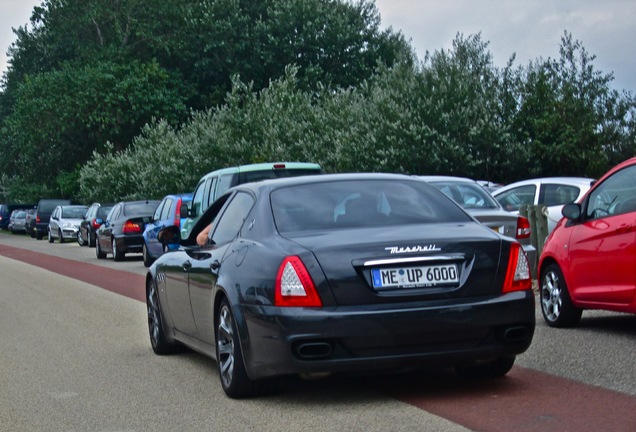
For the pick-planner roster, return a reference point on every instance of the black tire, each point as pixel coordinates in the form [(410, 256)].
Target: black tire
[(158, 341), (118, 255), (91, 238), (486, 369), (49, 236), (98, 251), (80, 240), (229, 356), (61, 236), (148, 260), (556, 305)]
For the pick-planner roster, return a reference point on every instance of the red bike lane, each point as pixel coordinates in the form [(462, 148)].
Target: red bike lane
[(526, 400)]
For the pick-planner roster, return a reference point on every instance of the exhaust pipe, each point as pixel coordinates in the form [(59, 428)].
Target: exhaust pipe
[(313, 350), (516, 334)]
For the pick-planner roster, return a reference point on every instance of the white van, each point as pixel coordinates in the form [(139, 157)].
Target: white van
[(215, 183)]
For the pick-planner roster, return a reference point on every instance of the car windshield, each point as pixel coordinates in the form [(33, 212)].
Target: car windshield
[(360, 203), (73, 212), (467, 195)]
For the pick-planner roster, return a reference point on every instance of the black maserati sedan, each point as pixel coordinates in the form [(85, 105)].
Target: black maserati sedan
[(336, 273)]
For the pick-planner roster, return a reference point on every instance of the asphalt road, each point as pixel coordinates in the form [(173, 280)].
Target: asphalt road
[(75, 356)]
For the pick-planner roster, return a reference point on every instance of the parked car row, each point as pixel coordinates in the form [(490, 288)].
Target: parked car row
[(347, 272)]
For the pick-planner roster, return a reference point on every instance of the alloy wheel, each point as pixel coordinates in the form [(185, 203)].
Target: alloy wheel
[(551, 296), (225, 346), (154, 320)]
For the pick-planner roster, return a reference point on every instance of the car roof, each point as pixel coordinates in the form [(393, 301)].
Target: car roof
[(264, 166), (278, 183), (576, 181), (443, 178)]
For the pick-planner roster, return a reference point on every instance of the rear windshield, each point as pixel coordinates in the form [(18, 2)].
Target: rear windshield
[(102, 212), (361, 203), (48, 206), (144, 208), (73, 212)]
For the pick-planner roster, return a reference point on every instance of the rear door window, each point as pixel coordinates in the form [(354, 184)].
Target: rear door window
[(232, 218), (558, 194)]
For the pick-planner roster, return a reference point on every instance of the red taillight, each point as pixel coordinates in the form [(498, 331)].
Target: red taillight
[(37, 219), (177, 214), (95, 224), (523, 228), (131, 227), (279, 166), (294, 286), (518, 275)]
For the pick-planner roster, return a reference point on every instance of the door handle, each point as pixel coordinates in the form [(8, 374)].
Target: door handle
[(186, 266), (215, 265)]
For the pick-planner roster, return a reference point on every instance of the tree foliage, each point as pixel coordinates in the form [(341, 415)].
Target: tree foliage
[(454, 114), (92, 72), (118, 99)]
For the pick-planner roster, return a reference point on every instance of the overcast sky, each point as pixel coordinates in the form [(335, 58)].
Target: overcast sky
[(530, 28)]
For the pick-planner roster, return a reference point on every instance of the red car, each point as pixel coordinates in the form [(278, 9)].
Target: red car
[(589, 260)]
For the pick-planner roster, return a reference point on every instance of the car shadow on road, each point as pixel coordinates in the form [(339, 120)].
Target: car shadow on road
[(612, 322)]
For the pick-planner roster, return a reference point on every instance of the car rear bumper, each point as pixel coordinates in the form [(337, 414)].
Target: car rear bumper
[(130, 243), (284, 341)]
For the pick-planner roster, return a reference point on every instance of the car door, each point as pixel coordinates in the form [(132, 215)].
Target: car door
[(554, 196), (209, 263), (513, 199), (152, 229), (178, 268), (603, 247), (106, 230), (54, 221)]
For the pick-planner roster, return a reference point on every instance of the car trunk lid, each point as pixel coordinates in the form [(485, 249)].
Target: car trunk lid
[(408, 263)]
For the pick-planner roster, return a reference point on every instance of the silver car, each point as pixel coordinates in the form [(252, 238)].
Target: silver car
[(480, 204), (553, 192), (65, 221)]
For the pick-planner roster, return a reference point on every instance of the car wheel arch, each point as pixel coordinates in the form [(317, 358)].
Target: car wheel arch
[(557, 306), (239, 321), (166, 321)]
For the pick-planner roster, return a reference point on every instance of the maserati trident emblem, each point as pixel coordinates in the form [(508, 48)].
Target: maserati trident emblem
[(411, 249)]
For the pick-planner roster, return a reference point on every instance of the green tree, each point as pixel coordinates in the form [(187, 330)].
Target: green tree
[(570, 120), (78, 110)]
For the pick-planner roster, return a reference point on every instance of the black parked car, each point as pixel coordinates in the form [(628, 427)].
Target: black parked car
[(122, 231), (94, 218), (39, 225), (341, 272)]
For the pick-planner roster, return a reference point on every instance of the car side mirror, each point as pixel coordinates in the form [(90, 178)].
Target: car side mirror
[(185, 211), (571, 211), (169, 237)]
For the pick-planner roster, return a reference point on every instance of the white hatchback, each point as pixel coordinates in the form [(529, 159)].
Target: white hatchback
[(553, 192)]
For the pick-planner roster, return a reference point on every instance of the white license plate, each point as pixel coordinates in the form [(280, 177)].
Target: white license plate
[(407, 277)]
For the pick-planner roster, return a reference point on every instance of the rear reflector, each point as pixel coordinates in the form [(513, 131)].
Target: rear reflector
[(518, 275), (294, 286)]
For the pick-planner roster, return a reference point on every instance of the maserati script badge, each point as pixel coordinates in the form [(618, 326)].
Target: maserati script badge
[(411, 249)]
